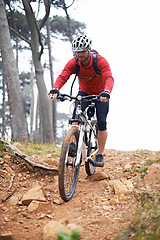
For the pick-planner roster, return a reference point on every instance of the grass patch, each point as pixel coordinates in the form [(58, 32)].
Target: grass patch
[(142, 169), (2, 147), (146, 222), (150, 162), (74, 235), (36, 148)]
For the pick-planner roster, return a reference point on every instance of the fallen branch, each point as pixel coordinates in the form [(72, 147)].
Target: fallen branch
[(8, 189), (27, 159), (11, 182), (8, 195)]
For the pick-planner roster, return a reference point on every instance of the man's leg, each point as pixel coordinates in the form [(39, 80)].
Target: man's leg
[(102, 109), (102, 137)]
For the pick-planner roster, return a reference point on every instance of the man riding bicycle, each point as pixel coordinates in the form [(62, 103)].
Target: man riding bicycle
[(90, 83)]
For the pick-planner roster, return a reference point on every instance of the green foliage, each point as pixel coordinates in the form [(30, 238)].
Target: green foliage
[(142, 170), (59, 25), (18, 22), (74, 235), (2, 147), (146, 223), (150, 162)]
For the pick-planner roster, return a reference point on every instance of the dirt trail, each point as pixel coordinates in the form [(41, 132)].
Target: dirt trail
[(94, 207)]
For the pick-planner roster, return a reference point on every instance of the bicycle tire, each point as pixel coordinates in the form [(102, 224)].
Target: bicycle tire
[(68, 173), (92, 145)]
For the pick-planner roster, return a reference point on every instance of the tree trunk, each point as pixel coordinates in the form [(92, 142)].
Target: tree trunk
[(69, 29), (45, 103), (10, 74), (4, 108), (32, 102), (54, 111)]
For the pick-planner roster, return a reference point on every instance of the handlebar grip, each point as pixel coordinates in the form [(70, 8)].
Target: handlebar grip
[(61, 97)]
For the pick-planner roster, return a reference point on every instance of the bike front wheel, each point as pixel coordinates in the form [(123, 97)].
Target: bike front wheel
[(92, 146), (68, 172)]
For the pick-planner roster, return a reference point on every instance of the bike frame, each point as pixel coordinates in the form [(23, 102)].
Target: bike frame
[(82, 147), (83, 122)]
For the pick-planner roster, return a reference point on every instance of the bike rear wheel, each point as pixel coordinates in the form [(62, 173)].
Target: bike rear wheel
[(92, 146), (68, 173)]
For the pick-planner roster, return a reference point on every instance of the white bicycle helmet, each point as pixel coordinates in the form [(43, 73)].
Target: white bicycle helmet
[(80, 43)]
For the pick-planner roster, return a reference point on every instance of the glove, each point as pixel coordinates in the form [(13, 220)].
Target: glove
[(105, 94), (54, 91)]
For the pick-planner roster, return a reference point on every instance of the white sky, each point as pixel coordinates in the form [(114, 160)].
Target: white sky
[(126, 33)]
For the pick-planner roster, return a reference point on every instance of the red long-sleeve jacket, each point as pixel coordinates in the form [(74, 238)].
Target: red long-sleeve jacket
[(87, 80)]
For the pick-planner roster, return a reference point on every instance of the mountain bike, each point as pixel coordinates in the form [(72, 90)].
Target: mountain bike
[(80, 145)]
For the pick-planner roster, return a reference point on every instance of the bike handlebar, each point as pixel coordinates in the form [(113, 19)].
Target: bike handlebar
[(79, 98)]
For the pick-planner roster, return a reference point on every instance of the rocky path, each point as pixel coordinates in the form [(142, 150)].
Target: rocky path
[(103, 205)]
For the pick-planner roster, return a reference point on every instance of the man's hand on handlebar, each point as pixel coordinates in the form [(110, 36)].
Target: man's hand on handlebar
[(53, 94), (104, 96)]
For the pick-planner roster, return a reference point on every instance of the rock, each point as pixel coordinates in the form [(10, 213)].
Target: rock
[(120, 188), (114, 200), (128, 184), (72, 226), (49, 216), (153, 176), (51, 229), (99, 176), (127, 167), (124, 197), (6, 236), (9, 169), (43, 215), (38, 206), (1, 161), (117, 220), (7, 157), (14, 200), (35, 193), (107, 208), (56, 181), (5, 209), (112, 182), (6, 219), (58, 201)]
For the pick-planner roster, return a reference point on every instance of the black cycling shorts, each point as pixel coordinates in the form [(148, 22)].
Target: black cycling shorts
[(102, 109)]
